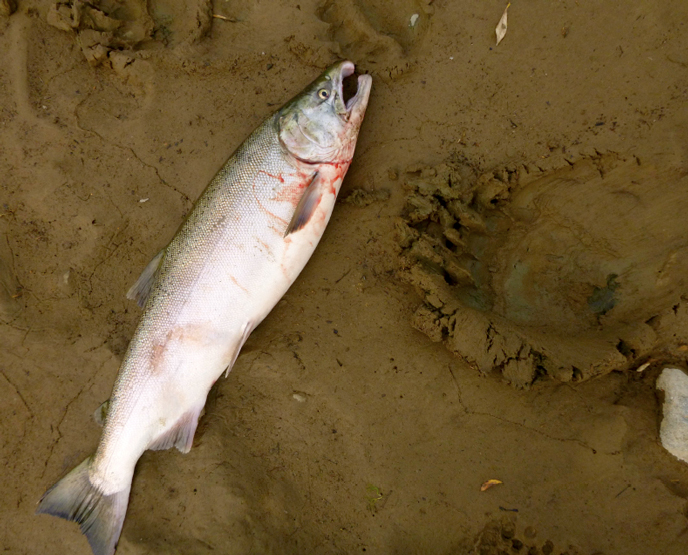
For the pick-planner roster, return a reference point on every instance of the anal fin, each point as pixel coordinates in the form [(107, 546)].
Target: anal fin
[(181, 434), (140, 291)]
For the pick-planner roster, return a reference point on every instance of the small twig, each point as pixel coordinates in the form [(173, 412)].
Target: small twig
[(343, 276), (224, 18)]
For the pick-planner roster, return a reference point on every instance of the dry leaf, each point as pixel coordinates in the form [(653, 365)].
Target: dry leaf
[(643, 366), (500, 31), (487, 485)]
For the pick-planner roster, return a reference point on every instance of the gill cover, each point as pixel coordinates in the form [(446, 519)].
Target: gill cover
[(314, 127)]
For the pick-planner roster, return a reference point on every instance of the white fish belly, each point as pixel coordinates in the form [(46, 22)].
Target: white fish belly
[(241, 281)]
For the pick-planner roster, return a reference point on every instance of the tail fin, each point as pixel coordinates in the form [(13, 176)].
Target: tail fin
[(100, 516)]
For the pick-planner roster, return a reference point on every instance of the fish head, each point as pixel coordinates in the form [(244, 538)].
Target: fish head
[(320, 125)]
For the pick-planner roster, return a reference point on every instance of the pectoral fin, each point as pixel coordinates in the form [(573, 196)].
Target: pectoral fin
[(245, 332), (142, 288), (306, 206)]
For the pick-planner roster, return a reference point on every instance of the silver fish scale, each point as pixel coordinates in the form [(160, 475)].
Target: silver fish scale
[(220, 221), (234, 188)]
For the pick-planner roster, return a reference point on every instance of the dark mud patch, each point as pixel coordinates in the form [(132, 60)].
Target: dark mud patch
[(568, 273)]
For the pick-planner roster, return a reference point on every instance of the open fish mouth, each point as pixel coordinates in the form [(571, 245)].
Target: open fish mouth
[(353, 90)]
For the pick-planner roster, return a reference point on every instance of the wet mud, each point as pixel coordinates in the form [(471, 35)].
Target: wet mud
[(567, 274), (508, 251)]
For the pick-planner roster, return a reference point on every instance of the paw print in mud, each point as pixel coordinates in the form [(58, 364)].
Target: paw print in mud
[(381, 36), (568, 273), (501, 537)]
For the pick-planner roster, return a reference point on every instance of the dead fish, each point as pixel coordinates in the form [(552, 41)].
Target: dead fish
[(244, 243)]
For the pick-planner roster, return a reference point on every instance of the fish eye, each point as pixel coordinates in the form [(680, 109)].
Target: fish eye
[(324, 94)]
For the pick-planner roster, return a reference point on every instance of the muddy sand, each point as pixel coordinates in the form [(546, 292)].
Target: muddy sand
[(510, 247)]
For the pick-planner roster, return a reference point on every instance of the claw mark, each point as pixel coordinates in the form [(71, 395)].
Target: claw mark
[(234, 280), (254, 187)]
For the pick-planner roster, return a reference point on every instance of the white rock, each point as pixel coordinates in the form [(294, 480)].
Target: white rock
[(300, 397), (674, 429)]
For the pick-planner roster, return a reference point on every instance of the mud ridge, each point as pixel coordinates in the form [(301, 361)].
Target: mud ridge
[(561, 273)]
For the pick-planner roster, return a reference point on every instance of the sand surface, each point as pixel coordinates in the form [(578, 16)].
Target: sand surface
[(510, 246)]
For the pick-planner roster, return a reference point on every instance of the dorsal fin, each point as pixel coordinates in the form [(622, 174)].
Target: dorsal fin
[(142, 288)]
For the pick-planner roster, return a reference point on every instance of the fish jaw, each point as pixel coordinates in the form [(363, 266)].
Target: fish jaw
[(356, 109), (357, 104)]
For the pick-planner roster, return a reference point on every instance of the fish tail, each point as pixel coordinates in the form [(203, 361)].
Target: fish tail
[(100, 516)]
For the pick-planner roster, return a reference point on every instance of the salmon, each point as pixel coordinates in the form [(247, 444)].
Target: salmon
[(244, 243)]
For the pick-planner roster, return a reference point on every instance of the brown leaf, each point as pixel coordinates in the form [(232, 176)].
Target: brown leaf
[(500, 31), (487, 485)]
